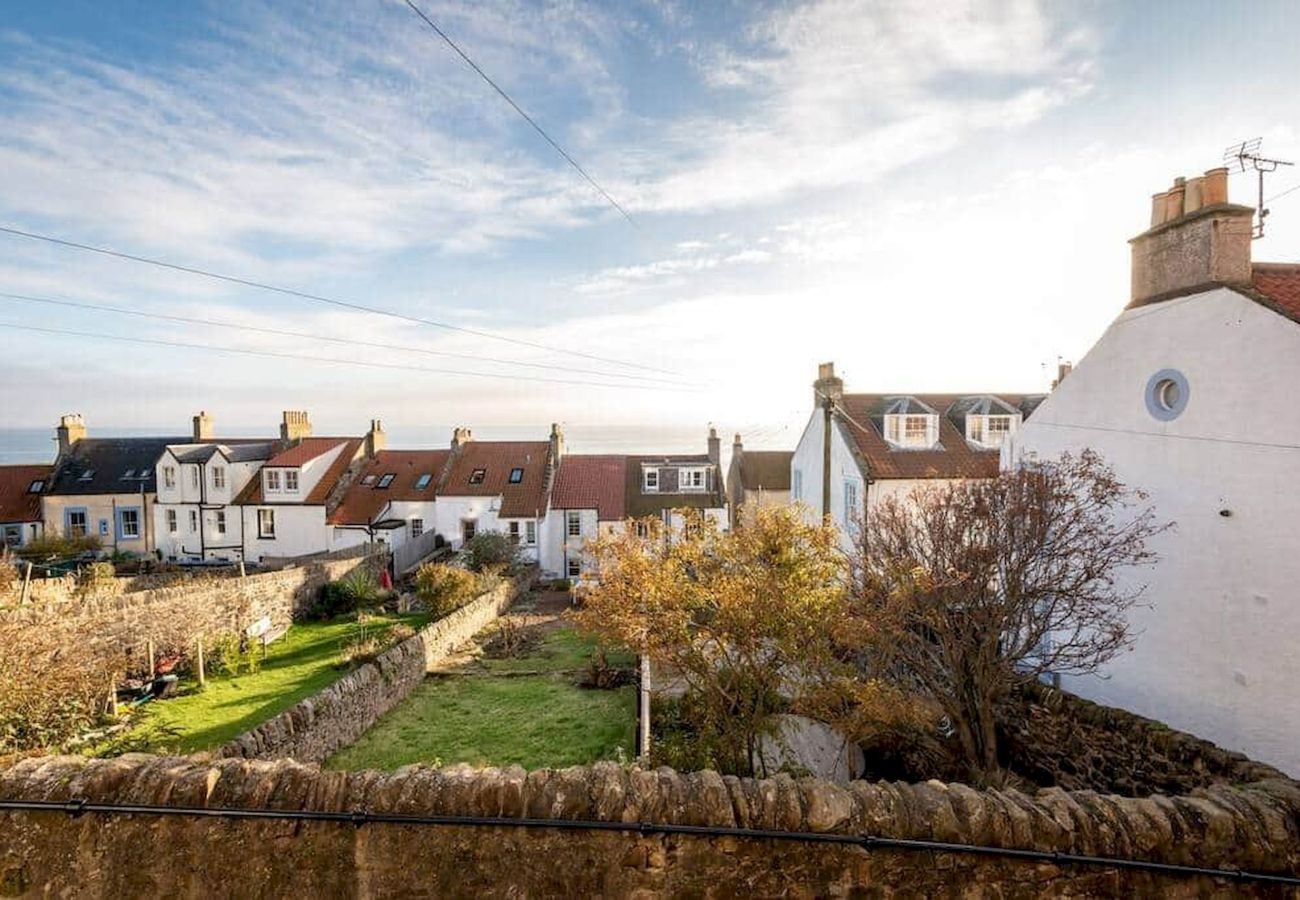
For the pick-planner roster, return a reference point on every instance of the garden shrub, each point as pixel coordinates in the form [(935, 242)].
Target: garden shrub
[(444, 588), (492, 552), (57, 546), (356, 590), (233, 655), (95, 574)]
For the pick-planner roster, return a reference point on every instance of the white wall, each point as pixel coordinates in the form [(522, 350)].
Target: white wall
[(1217, 654), (807, 460), (299, 530)]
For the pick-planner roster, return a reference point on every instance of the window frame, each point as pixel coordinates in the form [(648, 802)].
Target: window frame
[(70, 514), (423, 481), (194, 477), (123, 512), (291, 481), (850, 502), (530, 532), (271, 482), (516, 475), (385, 481), (171, 521), (221, 521), (169, 477), (219, 478), (572, 523), (265, 517), (416, 526), (477, 476), (573, 567), (194, 521), (512, 528), (11, 536), (650, 480), (37, 485), (687, 475)]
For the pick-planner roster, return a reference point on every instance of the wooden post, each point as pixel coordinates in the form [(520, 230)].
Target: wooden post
[(643, 750), (242, 573), (149, 646), (827, 406), (27, 585), (202, 677), (112, 696)]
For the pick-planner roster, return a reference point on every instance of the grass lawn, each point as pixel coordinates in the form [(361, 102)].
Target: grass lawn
[(297, 666), (484, 715)]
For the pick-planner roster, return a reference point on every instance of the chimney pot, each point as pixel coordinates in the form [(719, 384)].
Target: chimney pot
[(72, 428), (715, 446), (294, 426), (1174, 201), (827, 385), (1192, 195), (1214, 186)]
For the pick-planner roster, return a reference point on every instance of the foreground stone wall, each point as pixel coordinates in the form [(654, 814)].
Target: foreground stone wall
[(172, 616), (335, 717), (41, 853)]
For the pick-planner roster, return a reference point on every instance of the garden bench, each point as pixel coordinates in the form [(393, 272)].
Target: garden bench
[(263, 631)]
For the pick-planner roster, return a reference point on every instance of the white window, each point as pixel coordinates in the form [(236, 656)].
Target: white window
[(130, 523), (221, 521), (417, 527), (291, 480), (574, 568), (13, 535), (990, 431), (169, 477), (573, 523), (530, 532), (796, 484), (652, 480), (219, 477), (851, 511), (691, 479), (272, 480), (266, 523), (194, 477), (514, 532), (920, 430), (76, 523), (194, 521), (171, 521)]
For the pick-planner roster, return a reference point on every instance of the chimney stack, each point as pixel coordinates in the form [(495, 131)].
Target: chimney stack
[(376, 439), (715, 447), (557, 443), (1197, 240), (737, 447), (202, 427), (827, 385), (1062, 369), (72, 428), (294, 426), (461, 436)]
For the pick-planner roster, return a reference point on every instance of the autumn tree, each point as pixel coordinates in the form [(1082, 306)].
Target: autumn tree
[(966, 589), (743, 617)]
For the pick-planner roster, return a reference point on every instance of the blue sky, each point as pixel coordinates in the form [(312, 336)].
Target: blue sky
[(936, 196)]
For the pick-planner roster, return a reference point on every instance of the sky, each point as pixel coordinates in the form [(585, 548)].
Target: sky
[(935, 196)]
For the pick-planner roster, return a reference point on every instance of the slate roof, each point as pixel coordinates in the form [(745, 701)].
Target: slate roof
[(235, 450), (638, 504), (17, 502), (252, 492), (766, 469), (105, 460), (1279, 285), (591, 482), (523, 500), (362, 503), (952, 457)]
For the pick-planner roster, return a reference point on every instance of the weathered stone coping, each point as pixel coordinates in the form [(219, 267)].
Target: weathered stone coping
[(334, 717)]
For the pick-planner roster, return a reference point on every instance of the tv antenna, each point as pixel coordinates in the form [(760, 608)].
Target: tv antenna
[(1246, 155)]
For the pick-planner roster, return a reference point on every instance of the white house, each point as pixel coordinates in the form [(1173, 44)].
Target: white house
[(587, 500), (886, 445), (392, 498), (501, 486), (20, 504), (1190, 395), (194, 515)]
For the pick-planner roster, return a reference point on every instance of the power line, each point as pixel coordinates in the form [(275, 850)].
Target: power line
[(335, 360), (1290, 190), (346, 304), (322, 337), (517, 108)]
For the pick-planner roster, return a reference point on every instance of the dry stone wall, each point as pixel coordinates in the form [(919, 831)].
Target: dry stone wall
[(1251, 827), (335, 717)]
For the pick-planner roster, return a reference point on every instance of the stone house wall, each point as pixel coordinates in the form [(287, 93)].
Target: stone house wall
[(1251, 827), (332, 719)]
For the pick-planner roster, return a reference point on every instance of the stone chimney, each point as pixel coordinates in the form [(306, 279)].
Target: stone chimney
[(1062, 369), (557, 443), (294, 426), (737, 446), (827, 385), (202, 427), (715, 447), (461, 436), (376, 439), (72, 428), (1197, 240)]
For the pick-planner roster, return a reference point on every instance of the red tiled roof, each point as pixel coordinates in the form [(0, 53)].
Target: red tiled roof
[(17, 503), (954, 457), (305, 451), (1279, 283), (523, 500), (591, 482), (362, 503), (252, 494)]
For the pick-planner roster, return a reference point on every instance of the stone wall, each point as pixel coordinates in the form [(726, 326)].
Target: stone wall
[(173, 616), (1252, 827), (335, 717)]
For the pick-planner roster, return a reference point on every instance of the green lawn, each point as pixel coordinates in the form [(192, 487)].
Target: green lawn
[(297, 666), (483, 715)]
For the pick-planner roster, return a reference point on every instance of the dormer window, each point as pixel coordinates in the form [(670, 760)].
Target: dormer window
[(218, 477), (385, 480), (477, 476), (272, 480), (651, 480), (291, 480), (423, 481), (516, 476), (990, 431), (912, 430), (169, 477)]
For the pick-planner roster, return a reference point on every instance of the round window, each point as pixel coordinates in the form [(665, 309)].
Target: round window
[(1167, 394)]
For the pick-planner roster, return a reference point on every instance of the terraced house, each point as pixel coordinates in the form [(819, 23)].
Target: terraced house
[(20, 503), (884, 445)]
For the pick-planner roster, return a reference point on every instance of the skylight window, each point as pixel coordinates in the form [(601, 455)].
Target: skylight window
[(423, 481), (385, 480), (516, 476), (369, 480), (477, 476), (36, 487), (129, 473), (87, 475)]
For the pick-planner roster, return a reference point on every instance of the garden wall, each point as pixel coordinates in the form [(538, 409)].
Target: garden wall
[(173, 616), (335, 717), (95, 855)]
